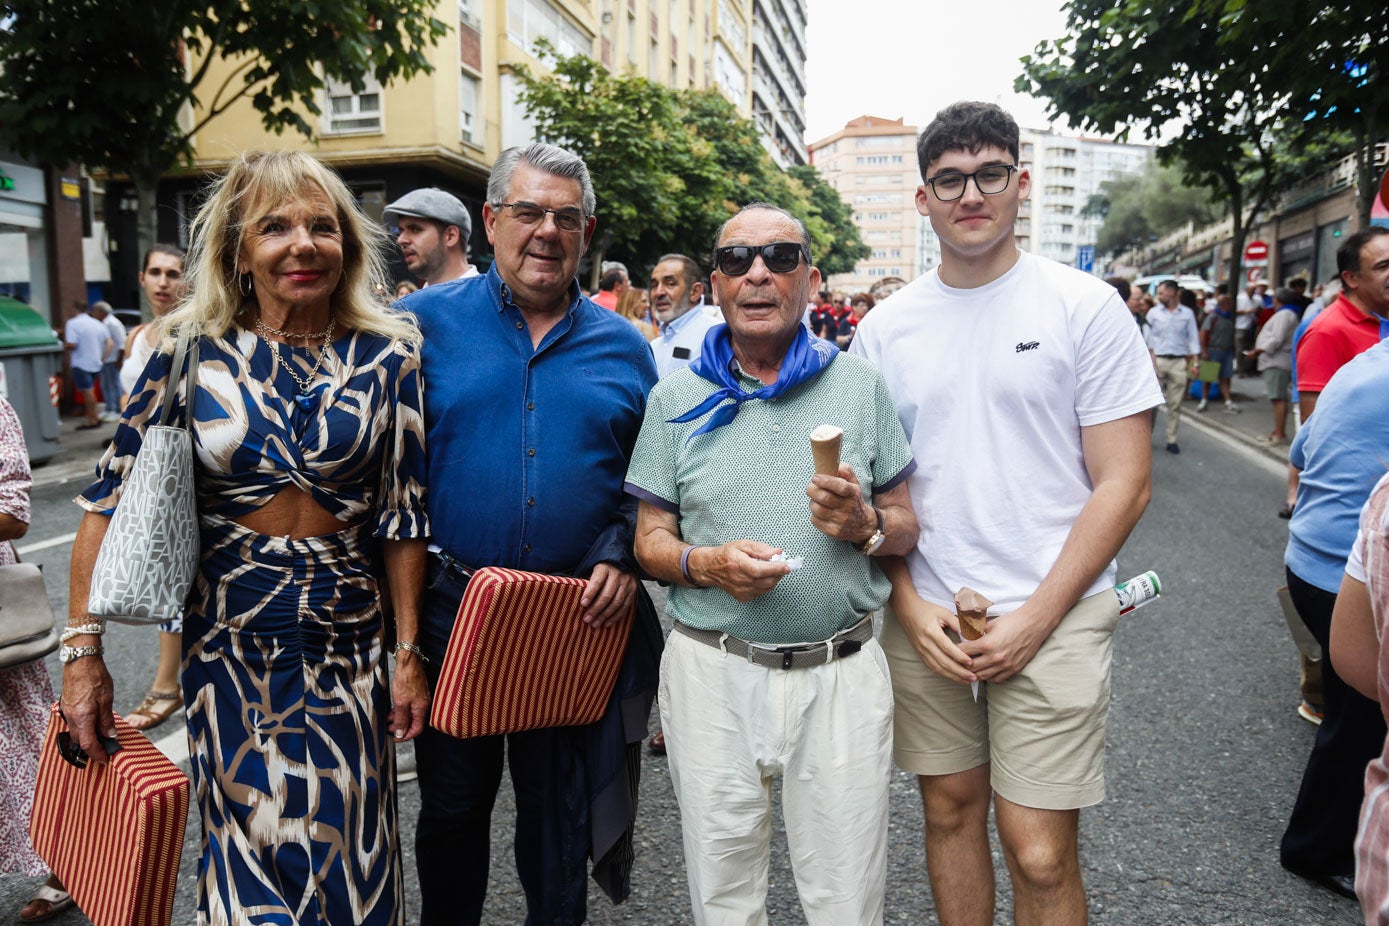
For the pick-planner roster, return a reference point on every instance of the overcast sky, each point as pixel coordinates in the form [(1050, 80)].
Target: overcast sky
[(909, 58)]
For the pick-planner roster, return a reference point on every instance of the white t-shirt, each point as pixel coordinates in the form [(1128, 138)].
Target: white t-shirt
[(116, 332), (992, 386), (90, 336)]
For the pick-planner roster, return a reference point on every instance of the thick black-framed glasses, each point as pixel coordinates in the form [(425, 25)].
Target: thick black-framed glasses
[(569, 220), (779, 257), (950, 185)]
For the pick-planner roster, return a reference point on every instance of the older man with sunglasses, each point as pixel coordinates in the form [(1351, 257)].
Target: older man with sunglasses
[(773, 668)]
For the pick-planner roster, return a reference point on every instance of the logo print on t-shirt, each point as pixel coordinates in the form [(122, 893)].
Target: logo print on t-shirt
[(1027, 345)]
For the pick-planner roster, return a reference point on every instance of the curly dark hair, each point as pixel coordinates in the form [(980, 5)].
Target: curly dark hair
[(966, 126)]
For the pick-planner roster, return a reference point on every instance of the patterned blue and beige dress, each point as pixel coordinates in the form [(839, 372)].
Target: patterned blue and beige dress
[(283, 674)]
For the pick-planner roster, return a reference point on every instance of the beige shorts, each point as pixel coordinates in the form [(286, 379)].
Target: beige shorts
[(1041, 732)]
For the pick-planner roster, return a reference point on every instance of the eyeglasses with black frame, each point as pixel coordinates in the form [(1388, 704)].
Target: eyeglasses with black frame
[(569, 220), (991, 180), (779, 257)]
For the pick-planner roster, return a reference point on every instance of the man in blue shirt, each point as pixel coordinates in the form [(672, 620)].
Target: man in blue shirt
[(1340, 453), (534, 397), (1174, 342)]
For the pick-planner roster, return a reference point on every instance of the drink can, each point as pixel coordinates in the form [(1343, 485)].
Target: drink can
[(1138, 591)]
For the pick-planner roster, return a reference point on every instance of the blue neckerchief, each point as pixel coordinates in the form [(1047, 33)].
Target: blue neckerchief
[(1224, 314), (1383, 328), (807, 358)]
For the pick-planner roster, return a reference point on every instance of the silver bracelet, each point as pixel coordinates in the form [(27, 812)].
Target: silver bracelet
[(69, 632), (409, 648)]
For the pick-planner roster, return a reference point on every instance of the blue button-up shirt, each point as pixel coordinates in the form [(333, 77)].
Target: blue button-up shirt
[(528, 447), (1173, 334)]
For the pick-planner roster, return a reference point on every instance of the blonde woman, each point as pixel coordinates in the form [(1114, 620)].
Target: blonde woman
[(635, 306), (308, 436)]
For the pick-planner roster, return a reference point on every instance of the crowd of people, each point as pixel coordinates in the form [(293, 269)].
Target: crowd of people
[(359, 457)]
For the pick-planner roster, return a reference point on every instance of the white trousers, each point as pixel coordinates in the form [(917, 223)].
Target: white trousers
[(731, 726)]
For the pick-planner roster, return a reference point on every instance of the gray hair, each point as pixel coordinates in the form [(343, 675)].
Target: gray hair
[(615, 265), (551, 159), (768, 207), (102, 306)]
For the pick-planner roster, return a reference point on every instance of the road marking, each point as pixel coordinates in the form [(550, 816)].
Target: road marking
[(46, 544)]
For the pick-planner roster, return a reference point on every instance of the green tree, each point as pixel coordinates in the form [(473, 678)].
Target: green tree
[(1332, 58), (1150, 203), (1161, 67), (670, 167), (625, 128), (835, 238), (115, 84)]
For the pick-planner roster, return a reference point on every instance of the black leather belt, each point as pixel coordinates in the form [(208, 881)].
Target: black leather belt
[(1171, 356), (788, 656)]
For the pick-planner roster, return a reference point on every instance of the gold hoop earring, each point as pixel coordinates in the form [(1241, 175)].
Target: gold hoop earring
[(243, 283)]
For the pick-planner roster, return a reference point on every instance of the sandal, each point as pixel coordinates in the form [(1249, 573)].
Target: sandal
[(157, 707), (657, 744), (55, 899)]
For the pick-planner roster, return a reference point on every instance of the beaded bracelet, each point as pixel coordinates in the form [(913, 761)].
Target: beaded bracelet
[(68, 633)]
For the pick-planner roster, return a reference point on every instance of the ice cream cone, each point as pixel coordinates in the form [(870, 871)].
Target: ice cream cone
[(824, 445), (972, 609)]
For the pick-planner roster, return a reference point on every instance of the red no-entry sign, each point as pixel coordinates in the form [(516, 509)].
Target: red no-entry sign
[(1256, 250)]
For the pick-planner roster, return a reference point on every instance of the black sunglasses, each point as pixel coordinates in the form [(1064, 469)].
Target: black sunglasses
[(76, 756), (779, 256)]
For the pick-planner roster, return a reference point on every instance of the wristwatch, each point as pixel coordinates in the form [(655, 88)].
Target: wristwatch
[(878, 538), (67, 654)]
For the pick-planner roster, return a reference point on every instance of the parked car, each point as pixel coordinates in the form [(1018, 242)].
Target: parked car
[(1184, 280)]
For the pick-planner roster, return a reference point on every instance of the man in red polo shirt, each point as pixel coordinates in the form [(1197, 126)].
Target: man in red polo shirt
[(1351, 324)]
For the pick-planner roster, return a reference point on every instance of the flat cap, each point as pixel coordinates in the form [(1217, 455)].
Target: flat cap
[(431, 203)]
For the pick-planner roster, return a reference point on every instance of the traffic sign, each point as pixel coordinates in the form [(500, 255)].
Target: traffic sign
[(1085, 258), (1256, 252)]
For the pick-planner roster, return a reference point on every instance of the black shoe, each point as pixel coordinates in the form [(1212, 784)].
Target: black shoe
[(1337, 884), (1173, 448)]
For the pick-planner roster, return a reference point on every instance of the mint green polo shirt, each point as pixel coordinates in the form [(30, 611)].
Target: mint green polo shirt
[(747, 481)]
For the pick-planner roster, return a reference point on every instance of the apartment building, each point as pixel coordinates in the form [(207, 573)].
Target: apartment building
[(1066, 173), (778, 78), (872, 163), (447, 127)]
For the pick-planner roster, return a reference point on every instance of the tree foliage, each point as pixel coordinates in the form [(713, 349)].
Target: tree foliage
[(115, 84), (1147, 204), (669, 167), (1152, 65), (1232, 83), (1332, 58)]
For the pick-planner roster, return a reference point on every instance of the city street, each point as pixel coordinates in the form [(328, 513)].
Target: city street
[(1205, 750)]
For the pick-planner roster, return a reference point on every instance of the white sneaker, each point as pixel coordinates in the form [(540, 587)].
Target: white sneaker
[(1232, 408), (1201, 407), (110, 416)]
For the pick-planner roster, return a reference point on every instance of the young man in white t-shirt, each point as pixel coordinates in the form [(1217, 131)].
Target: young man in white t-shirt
[(1024, 388)]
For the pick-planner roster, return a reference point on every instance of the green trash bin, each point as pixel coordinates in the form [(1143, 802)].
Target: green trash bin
[(31, 362)]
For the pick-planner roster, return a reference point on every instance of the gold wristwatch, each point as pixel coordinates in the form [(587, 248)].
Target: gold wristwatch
[(878, 538)]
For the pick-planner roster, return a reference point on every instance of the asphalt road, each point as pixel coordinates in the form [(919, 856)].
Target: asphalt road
[(1204, 756)]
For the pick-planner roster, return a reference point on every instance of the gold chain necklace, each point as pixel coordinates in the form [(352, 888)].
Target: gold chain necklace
[(263, 328), (306, 398)]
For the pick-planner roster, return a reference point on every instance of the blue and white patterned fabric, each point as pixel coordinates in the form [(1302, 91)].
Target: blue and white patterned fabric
[(283, 678)]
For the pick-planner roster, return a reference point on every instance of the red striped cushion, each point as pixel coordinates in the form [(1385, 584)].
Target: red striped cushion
[(521, 657), (112, 833)]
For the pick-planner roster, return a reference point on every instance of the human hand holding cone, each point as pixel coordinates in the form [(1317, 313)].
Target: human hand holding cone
[(972, 609)]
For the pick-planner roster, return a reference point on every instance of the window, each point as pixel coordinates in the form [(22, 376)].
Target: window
[(632, 38), (727, 75), (349, 112), (732, 27), (469, 13), (528, 20), (467, 108)]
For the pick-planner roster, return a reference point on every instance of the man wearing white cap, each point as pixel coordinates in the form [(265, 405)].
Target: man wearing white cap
[(434, 228)]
